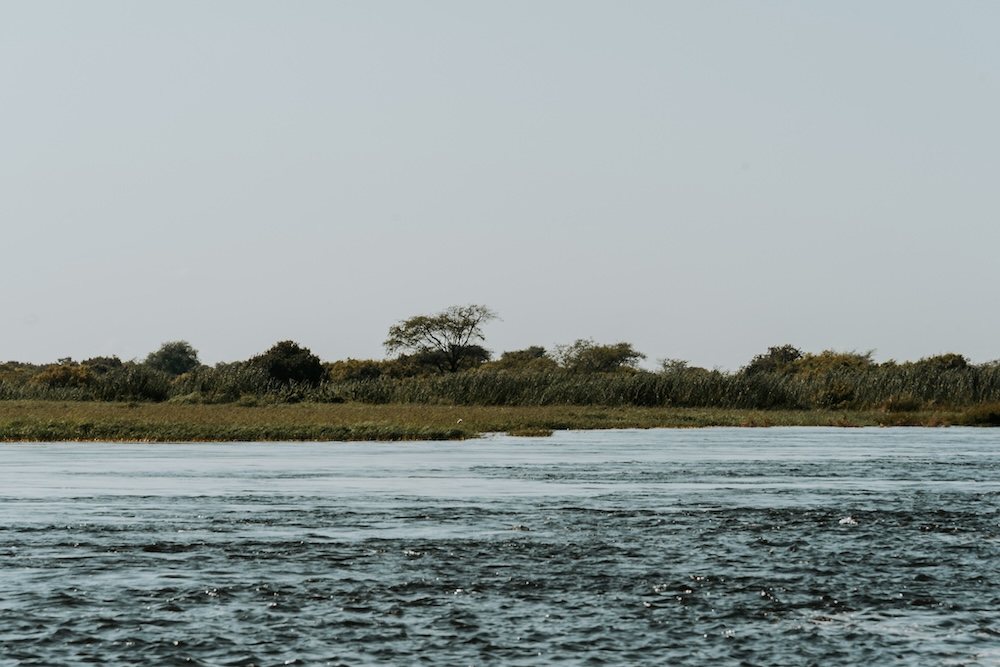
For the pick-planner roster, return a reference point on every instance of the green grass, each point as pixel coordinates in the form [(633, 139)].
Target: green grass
[(165, 422)]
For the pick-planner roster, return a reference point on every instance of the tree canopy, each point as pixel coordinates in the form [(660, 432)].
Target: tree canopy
[(777, 359), (447, 340), (586, 356), (175, 357), (289, 362)]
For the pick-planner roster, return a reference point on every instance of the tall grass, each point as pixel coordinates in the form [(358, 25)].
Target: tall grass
[(895, 388)]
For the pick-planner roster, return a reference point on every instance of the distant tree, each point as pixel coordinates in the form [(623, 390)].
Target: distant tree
[(288, 362), (175, 357), (525, 355), (446, 341), (777, 359), (585, 356), (435, 361), (679, 367), (101, 365), (828, 361), (534, 358)]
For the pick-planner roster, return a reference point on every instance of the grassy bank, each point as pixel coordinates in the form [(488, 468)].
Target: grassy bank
[(164, 422)]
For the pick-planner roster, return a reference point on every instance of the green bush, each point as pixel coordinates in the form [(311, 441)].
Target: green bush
[(586, 356), (175, 357), (289, 363)]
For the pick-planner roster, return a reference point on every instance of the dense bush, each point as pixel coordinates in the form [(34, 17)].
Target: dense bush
[(533, 359), (175, 357), (586, 356), (101, 365), (777, 359), (65, 375), (287, 362), (783, 378)]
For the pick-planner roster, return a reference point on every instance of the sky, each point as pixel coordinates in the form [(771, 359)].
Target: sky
[(703, 180)]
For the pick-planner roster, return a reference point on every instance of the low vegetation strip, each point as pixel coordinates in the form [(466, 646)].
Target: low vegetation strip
[(444, 384), (50, 421)]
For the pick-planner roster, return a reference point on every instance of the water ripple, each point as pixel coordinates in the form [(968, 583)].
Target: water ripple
[(788, 548)]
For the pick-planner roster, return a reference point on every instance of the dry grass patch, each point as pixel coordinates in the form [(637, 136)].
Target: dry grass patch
[(71, 420)]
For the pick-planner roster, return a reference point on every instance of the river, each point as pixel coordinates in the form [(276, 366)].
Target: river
[(781, 546)]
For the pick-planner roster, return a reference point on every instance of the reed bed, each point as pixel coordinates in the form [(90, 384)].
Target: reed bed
[(906, 387), (872, 389), (239, 402)]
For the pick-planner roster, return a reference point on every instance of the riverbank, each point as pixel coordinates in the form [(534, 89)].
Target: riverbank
[(43, 421)]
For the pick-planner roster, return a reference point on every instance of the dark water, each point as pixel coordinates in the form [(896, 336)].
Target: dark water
[(719, 546)]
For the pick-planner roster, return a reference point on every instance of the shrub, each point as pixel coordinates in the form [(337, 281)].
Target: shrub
[(777, 359), (174, 358), (585, 356), (101, 365), (354, 369), (287, 362), (64, 375)]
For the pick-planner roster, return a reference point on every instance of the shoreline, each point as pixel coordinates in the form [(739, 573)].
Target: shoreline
[(65, 421)]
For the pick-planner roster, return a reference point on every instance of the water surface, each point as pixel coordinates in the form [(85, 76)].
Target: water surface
[(688, 547)]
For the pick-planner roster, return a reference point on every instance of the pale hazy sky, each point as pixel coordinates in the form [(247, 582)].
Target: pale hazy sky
[(701, 179)]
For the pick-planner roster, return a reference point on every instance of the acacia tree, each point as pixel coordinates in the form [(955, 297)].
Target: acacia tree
[(447, 339)]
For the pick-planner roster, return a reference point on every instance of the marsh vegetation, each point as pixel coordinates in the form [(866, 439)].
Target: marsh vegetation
[(441, 369)]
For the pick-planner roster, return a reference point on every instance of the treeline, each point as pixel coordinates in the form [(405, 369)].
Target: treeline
[(584, 373), (440, 359)]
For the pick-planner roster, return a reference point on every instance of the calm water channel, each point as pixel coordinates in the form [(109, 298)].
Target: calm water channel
[(682, 547)]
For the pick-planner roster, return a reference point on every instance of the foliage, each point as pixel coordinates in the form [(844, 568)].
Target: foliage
[(932, 390), (526, 355), (101, 365), (982, 415), (945, 362), (354, 369), (904, 402), (64, 375), (133, 382), (435, 361), (17, 373), (776, 360), (226, 383), (175, 357), (289, 363), (532, 359), (585, 356), (829, 361), (446, 340)]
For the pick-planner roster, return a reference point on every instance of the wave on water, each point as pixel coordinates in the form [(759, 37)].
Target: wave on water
[(655, 555)]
